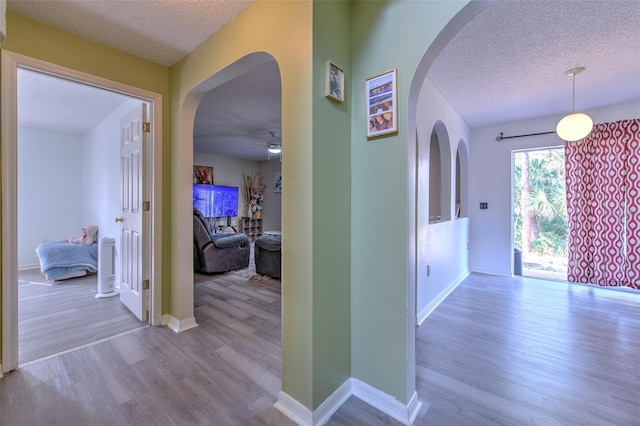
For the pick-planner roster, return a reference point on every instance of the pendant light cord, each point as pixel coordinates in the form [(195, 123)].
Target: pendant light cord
[(573, 99)]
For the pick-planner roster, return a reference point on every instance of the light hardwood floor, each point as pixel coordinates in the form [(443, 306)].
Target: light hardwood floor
[(56, 316), (526, 351), (496, 351)]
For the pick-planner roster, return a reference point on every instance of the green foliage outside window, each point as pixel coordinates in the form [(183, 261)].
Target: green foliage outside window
[(544, 201)]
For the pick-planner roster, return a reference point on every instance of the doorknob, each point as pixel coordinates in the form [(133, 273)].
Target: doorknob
[(119, 219)]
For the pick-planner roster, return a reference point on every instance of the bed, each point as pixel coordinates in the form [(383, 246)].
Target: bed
[(63, 260)]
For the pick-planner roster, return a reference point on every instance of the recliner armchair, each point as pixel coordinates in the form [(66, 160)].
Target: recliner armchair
[(217, 252)]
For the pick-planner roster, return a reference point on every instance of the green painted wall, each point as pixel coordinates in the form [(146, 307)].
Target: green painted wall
[(31, 38), (331, 203), (385, 35), (344, 293), (283, 30)]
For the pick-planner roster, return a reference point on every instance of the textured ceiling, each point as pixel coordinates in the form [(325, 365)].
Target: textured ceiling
[(60, 105), (240, 127), (161, 31), (507, 64)]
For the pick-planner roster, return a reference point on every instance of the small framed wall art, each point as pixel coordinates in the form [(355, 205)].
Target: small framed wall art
[(277, 181), (203, 175), (334, 84), (381, 104)]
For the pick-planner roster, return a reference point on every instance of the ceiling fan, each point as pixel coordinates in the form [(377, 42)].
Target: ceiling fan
[(274, 147)]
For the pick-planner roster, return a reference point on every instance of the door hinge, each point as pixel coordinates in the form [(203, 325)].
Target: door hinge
[(145, 284), (146, 127), (146, 206)]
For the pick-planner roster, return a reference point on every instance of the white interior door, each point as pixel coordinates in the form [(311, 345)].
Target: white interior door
[(132, 145)]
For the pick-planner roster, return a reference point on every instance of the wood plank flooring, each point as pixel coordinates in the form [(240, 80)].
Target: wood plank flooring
[(56, 316), (521, 351), (226, 371), (496, 351), (526, 351)]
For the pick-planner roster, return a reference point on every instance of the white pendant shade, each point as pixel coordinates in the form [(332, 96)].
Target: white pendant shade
[(574, 127)]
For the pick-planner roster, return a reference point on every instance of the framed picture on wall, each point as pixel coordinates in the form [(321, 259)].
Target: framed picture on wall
[(382, 115), (203, 175), (277, 181), (334, 83)]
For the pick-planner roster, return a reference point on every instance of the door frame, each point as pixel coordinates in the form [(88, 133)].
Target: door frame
[(153, 234)]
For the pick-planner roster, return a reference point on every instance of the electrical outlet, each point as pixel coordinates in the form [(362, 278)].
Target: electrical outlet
[(428, 270), (484, 206)]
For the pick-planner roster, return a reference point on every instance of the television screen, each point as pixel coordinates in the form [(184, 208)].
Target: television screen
[(216, 200)]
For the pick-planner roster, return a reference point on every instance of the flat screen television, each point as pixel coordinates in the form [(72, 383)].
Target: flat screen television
[(216, 200)]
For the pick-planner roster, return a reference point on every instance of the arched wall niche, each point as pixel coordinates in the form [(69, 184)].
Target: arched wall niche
[(461, 200), (439, 174)]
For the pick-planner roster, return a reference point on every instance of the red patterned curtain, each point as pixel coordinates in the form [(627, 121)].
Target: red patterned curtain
[(603, 205), (632, 134)]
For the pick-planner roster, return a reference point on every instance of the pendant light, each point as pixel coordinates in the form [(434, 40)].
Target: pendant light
[(576, 125)]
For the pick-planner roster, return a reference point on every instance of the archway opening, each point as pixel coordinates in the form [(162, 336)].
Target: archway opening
[(227, 305)]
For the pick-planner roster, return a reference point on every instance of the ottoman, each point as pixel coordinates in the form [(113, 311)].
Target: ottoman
[(268, 255)]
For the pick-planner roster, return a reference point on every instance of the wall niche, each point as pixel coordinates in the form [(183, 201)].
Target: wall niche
[(461, 206), (439, 174)]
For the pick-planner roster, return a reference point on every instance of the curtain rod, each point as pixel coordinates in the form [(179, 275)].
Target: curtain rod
[(499, 138)]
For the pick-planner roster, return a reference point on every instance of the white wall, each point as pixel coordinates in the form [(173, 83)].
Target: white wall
[(101, 174), (49, 190), (271, 206), (441, 247), (491, 241), (78, 184)]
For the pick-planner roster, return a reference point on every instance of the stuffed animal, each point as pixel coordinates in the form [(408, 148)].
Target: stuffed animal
[(89, 236)]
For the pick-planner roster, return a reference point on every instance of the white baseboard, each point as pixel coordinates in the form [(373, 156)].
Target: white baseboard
[(330, 405), (294, 410), (405, 414), (29, 266), (179, 325), (414, 407), (427, 310), (492, 272)]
